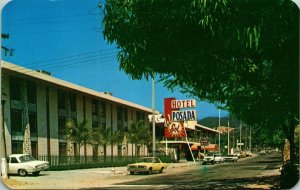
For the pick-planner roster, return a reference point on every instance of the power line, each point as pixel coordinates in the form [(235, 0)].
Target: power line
[(74, 61), (72, 56), (80, 63), (56, 63)]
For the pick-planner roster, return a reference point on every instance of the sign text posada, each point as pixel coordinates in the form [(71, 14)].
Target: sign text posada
[(187, 115)]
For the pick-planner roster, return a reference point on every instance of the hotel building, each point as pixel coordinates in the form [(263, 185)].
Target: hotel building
[(47, 112)]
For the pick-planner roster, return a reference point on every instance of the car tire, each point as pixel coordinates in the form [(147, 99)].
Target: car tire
[(161, 170), (36, 173), (150, 171), (22, 172), (131, 173)]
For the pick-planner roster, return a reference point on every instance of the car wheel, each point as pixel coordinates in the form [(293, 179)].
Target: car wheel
[(161, 170), (131, 173), (150, 171), (36, 173), (23, 172)]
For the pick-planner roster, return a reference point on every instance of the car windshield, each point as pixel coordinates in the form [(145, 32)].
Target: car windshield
[(26, 158), (148, 160)]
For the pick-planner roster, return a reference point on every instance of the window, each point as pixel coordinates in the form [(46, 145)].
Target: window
[(95, 115), (15, 86), (125, 114), (103, 114), (16, 121), (33, 123), (13, 160), (73, 102), (140, 116), (34, 149), (94, 107), (61, 126), (119, 150), (62, 149), (122, 117), (61, 99), (31, 92), (17, 147)]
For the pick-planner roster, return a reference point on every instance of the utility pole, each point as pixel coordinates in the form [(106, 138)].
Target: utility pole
[(246, 138), (240, 135), (153, 118), (228, 136), (2, 128), (219, 131), (250, 138)]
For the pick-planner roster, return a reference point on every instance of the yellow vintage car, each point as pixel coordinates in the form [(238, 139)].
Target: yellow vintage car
[(147, 165)]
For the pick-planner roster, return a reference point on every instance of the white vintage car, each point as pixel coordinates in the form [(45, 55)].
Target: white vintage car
[(23, 164), (231, 158), (212, 158)]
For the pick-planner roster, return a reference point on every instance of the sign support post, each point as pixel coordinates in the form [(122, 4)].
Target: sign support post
[(187, 141)]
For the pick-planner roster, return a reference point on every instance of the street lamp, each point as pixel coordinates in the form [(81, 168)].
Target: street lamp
[(3, 143)]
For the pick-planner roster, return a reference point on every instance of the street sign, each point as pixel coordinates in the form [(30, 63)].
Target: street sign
[(186, 115), (239, 144)]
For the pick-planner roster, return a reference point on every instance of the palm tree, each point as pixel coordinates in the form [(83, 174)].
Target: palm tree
[(101, 137), (144, 135), (80, 134), (132, 134), (139, 133), (116, 138)]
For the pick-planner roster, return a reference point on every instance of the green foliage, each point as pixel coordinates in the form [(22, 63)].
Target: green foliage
[(139, 133), (79, 133), (101, 136), (242, 54)]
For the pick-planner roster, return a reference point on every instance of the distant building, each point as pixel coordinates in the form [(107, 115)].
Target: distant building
[(47, 112)]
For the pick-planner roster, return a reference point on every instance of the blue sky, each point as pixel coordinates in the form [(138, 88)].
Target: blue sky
[(65, 38)]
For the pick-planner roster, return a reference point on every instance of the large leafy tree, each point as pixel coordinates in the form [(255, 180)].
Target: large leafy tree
[(241, 54)]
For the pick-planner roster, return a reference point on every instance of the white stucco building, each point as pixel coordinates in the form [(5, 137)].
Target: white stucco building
[(47, 112)]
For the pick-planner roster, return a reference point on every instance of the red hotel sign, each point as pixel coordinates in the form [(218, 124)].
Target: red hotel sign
[(174, 117)]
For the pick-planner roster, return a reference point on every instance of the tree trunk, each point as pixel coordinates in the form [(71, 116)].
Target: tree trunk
[(291, 137), (26, 140), (85, 156)]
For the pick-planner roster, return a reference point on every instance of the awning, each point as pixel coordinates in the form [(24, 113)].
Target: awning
[(195, 146), (210, 147)]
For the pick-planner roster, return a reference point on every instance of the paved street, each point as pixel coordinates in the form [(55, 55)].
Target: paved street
[(260, 172)]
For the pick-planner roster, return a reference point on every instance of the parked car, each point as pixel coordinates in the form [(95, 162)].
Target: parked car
[(237, 154), (230, 158), (212, 158), (262, 152), (23, 164), (248, 154), (219, 158), (147, 165)]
